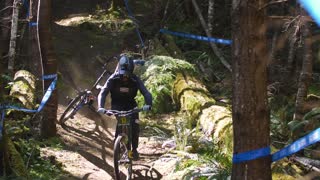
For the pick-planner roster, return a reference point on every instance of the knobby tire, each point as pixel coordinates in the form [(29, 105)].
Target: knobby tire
[(118, 151), (70, 110)]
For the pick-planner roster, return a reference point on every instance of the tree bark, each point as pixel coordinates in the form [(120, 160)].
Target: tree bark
[(48, 126), (210, 15), (250, 113), (13, 37), (34, 55), (214, 47), (4, 48), (306, 71), (5, 34)]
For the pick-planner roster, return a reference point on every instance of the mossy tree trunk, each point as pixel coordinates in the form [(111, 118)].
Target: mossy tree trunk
[(194, 99)]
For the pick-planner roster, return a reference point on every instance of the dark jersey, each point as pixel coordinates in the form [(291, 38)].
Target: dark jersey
[(123, 93)]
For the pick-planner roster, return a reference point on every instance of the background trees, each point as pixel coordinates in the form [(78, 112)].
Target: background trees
[(284, 35)]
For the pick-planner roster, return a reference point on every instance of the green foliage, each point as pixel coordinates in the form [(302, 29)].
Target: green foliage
[(310, 119), (314, 89), (38, 167), (281, 114), (181, 134), (17, 129), (218, 164), (185, 163), (159, 75), (29, 150)]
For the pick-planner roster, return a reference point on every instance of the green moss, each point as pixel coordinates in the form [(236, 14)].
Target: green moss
[(159, 73), (16, 162), (285, 170)]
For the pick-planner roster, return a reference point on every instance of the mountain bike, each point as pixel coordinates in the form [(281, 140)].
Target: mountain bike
[(83, 98), (86, 97), (122, 153)]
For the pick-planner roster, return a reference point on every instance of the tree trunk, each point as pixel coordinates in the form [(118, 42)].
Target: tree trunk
[(14, 35), (250, 113), (4, 48), (210, 15), (214, 47), (34, 58), (48, 126), (4, 34), (306, 71)]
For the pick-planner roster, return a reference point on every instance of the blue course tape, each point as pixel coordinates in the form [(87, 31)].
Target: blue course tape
[(26, 4), (44, 99), (298, 145), (313, 8), (43, 102), (128, 9), (131, 16), (33, 24), (201, 38), (251, 155)]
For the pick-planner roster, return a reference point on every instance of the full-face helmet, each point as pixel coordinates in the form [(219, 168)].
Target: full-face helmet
[(126, 66)]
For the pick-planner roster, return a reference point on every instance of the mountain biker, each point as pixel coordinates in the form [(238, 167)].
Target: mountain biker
[(123, 85)]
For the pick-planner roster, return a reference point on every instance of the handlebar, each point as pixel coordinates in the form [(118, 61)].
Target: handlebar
[(122, 113)]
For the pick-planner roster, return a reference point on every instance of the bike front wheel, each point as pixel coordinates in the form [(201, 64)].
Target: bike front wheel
[(71, 109), (120, 157)]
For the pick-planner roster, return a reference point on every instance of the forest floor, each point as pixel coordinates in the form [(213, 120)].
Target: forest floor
[(88, 150)]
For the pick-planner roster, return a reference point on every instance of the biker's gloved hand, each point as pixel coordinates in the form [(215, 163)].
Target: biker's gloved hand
[(101, 110), (108, 113), (146, 108)]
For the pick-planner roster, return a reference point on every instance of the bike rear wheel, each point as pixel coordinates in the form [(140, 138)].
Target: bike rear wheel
[(71, 109), (120, 157)]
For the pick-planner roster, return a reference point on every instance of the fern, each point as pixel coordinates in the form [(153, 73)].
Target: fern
[(159, 75)]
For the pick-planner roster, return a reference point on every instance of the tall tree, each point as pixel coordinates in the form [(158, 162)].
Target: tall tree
[(306, 71), (48, 126), (14, 35), (250, 111), (5, 16), (34, 61), (214, 47), (210, 15)]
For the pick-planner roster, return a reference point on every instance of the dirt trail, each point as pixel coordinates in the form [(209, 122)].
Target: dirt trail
[(88, 151)]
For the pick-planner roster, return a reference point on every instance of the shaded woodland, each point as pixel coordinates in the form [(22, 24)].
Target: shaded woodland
[(260, 91)]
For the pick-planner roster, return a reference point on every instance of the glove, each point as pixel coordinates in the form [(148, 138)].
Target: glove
[(101, 110), (146, 108), (108, 113)]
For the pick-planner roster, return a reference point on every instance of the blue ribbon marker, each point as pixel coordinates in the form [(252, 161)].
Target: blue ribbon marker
[(251, 155), (313, 8), (192, 36), (43, 101), (298, 145), (131, 16)]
